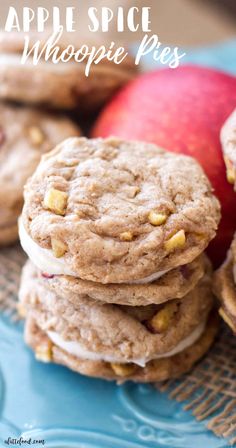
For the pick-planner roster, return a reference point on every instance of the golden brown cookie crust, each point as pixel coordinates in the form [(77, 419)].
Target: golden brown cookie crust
[(158, 370), (117, 331), (173, 285), (225, 289), (25, 134), (63, 85), (233, 249), (114, 193), (228, 140)]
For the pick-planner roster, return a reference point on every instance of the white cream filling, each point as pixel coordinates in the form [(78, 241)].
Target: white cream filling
[(46, 262), (77, 349), (42, 258), (151, 278)]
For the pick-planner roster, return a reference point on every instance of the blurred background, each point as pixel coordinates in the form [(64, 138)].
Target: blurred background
[(178, 22)]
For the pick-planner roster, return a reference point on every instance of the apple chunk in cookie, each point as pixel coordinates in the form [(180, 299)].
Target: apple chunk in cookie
[(114, 211), (25, 135), (87, 329)]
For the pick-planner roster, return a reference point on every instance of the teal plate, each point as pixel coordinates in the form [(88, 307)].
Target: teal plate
[(51, 403), (44, 402)]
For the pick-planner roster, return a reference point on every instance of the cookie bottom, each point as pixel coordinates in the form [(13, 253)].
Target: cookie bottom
[(175, 284), (115, 333), (8, 235), (156, 370), (225, 289)]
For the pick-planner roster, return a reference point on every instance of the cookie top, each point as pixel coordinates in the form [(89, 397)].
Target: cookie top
[(224, 285), (228, 140), (25, 134), (156, 370), (175, 284), (62, 85), (114, 211), (121, 333)]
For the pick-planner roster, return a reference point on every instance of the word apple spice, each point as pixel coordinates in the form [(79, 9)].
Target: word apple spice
[(99, 20)]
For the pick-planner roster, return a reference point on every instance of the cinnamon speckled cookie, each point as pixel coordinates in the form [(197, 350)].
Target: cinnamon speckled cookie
[(225, 287), (62, 85), (228, 139), (173, 285), (25, 134), (115, 332), (155, 370), (114, 211)]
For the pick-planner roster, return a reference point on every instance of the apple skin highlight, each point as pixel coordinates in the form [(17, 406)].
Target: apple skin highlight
[(183, 111)]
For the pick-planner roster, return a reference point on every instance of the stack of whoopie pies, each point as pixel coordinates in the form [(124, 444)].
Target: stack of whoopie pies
[(117, 285), (25, 132)]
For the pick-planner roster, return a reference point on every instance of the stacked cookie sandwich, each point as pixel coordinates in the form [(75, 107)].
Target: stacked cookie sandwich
[(225, 276), (117, 285)]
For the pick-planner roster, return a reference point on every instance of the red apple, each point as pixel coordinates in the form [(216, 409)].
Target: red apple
[(181, 110)]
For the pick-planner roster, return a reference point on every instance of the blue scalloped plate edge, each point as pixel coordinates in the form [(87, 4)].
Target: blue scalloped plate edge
[(89, 413)]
